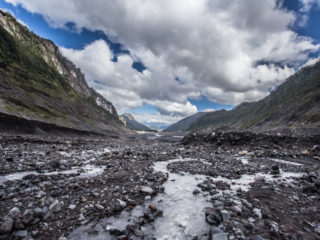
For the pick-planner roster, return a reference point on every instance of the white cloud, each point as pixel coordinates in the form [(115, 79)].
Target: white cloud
[(221, 49), (311, 62), (150, 119), (303, 16)]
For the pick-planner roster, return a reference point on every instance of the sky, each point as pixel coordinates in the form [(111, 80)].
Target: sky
[(163, 60)]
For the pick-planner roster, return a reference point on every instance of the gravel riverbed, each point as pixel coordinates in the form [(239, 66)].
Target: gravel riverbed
[(157, 186)]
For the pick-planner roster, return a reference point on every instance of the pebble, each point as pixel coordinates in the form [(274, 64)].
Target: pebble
[(6, 226), (98, 206), (225, 216), (14, 212), (146, 189), (257, 212), (55, 206), (21, 234), (72, 206)]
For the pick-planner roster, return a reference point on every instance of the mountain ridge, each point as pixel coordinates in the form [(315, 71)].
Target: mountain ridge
[(294, 105), (133, 124), (39, 83)]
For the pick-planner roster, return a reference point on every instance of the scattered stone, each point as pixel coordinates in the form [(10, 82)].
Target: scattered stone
[(257, 212), (99, 207), (275, 170), (244, 152), (225, 216), (21, 234), (6, 226), (14, 212), (146, 189), (196, 191), (55, 206), (153, 207), (72, 206)]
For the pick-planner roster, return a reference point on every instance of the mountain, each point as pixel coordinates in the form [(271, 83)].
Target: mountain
[(158, 126), (184, 124), (38, 83), (133, 124), (294, 105)]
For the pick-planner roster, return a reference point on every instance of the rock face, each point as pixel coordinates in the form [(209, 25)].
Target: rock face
[(294, 105), (38, 83), (133, 124)]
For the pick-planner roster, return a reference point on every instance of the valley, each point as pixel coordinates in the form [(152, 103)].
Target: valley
[(207, 185), (72, 168)]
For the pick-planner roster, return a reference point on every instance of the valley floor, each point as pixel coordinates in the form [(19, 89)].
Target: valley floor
[(150, 186)]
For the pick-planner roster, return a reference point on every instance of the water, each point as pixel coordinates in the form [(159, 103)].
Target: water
[(183, 212), (244, 182), (87, 170)]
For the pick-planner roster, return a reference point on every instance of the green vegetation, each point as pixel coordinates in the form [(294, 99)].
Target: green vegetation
[(32, 87)]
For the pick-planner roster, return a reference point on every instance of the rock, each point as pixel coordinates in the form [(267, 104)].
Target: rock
[(275, 170), (225, 216), (21, 234), (99, 207), (236, 209), (258, 237), (72, 206), (316, 148), (54, 164), (81, 217), (62, 238), (83, 210), (55, 206), (196, 191), (218, 203), (122, 203), (14, 212), (38, 212), (153, 207), (244, 152), (219, 236), (27, 216), (122, 237), (6, 226), (213, 217), (18, 224), (146, 189), (257, 212)]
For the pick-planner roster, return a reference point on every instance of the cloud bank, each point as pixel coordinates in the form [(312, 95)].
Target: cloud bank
[(229, 51)]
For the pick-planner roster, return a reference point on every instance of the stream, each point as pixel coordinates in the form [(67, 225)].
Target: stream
[(183, 212)]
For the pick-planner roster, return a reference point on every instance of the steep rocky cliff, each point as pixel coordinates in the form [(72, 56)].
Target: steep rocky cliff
[(37, 82)]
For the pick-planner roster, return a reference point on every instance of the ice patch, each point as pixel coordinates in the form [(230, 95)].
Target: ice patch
[(285, 162), (89, 171)]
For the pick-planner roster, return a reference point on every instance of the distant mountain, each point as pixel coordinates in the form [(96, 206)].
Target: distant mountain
[(133, 124), (158, 126), (38, 83), (294, 105), (184, 124)]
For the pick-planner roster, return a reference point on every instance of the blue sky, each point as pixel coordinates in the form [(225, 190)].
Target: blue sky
[(146, 55)]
